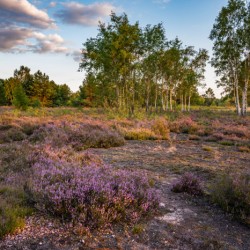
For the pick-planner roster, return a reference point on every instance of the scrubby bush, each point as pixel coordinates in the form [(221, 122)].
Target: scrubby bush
[(231, 131), (232, 193), (139, 134), (12, 210), (12, 134), (93, 135), (188, 183), (91, 195), (79, 135), (14, 158), (184, 125), (160, 127)]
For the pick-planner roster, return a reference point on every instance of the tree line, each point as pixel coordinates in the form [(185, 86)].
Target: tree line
[(36, 90), (25, 89)]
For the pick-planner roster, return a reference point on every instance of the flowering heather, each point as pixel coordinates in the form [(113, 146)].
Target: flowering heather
[(79, 135), (188, 183), (232, 131), (184, 125), (91, 195)]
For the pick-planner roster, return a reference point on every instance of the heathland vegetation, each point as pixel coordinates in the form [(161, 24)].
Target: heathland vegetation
[(137, 158)]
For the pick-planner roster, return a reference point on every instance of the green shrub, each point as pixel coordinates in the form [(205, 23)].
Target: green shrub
[(20, 99), (12, 210), (232, 193), (227, 143)]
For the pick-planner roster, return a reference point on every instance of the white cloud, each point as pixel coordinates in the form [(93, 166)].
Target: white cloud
[(77, 55), (86, 15), (22, 11), (11, 39), (17, 39), (52, 43)]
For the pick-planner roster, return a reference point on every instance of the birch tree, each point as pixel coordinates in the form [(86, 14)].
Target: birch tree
[(230, 34)]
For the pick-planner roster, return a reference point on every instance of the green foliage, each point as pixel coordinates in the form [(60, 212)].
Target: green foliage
[(12, 210), (231, 58), (3, 99), (37, 87), (161, 128), (137, 229), (129, 67), (209, 97), (139, 134), (62, 95), (35, 103), (20, 99)]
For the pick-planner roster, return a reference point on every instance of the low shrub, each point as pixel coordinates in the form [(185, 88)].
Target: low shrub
[(12, 210), (91, 195), (79, 135), (207, 148), (194, 137), (232, 130), (232, 193), (188, 183), (93, 135), (184, 125), (14, 158), (244, 149), (139, 134), (227, 143), (160, 127), (12, 134)]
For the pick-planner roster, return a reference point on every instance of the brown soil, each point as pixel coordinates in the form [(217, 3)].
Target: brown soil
[(184, 222)]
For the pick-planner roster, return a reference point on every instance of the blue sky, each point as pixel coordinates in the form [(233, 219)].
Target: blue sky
[(48, 35)]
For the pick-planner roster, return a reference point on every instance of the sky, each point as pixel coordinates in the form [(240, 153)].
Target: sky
[(48, 35)]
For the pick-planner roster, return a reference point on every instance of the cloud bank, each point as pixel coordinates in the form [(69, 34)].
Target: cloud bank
[(21, 24), (21, 11), (85, 15)]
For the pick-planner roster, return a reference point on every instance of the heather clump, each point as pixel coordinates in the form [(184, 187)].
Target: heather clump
[(93, 135), (188, 183), (90, 194), (184, 125), (50, 133), (14, 158), (10, 134), (232, 193), (231, 131), (78, 135)]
